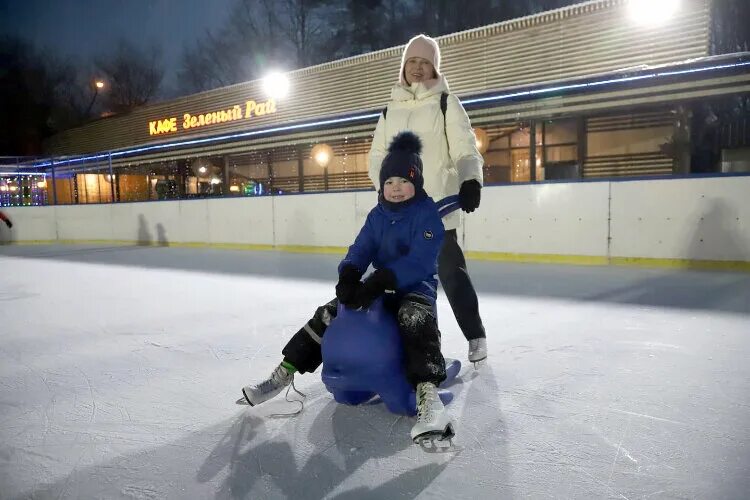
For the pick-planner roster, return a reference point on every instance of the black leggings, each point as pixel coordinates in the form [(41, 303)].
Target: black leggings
[(418, 326), (458, 288)]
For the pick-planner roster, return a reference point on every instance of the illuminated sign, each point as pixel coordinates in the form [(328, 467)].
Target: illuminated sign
[(235, 113)]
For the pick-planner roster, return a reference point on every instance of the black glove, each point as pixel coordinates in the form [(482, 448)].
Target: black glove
[(373, 287), (469, 195), (8, 223), (348, 284)]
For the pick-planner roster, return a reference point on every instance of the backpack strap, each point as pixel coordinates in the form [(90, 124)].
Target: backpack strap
[(444, 108)]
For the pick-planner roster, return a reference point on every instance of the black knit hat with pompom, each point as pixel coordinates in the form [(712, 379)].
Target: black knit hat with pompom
[(403, 160)]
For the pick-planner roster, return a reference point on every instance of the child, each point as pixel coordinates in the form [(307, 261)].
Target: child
[(401, 239)]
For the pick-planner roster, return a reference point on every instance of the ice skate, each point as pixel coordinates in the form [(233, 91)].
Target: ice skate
[(434, 427), (477, 350), (269, 388)]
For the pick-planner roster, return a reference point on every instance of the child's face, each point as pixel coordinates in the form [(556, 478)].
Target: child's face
[(397, 189)]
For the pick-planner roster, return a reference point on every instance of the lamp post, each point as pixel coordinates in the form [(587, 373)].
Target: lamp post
[(322, 154), (98, 85)]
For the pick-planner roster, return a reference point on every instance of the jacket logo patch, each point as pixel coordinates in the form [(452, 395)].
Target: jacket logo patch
[(428, 235)]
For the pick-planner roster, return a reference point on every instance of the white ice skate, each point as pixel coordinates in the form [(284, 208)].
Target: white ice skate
[(434, 427), (269, 388), (477, 350)]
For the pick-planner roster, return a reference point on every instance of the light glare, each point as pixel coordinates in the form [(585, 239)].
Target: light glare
[(652, 12), (276, 85), (322, 158)]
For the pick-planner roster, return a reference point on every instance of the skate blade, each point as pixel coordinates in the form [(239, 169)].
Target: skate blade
[(438, 441), (480, 363), (244, 400)]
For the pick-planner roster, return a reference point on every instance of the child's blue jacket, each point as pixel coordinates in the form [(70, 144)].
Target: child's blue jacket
[(407, 241)]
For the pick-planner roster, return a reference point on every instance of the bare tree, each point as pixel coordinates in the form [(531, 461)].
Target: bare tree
[(731, 31), (211, 63), (133, 76), (262, 35), (39, 96), (303, 21)]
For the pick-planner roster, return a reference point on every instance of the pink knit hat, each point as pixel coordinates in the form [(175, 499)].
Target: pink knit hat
[(421, 46)]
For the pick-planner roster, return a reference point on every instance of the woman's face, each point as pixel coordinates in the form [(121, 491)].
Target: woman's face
[(397, 189), (417, 70)]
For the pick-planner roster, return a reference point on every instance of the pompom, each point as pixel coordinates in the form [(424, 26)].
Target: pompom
[(406, 142)]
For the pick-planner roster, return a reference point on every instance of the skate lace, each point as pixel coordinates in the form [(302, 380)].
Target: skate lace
[(278, 377), (426, 399), (281, 377), (299, 402)]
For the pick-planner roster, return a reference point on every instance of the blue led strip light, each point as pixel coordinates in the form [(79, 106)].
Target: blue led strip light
[(22, 174), (626, 79), (205, 140), (367, 116)]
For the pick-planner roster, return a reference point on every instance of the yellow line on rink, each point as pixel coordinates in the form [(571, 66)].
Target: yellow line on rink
[(531, 258)]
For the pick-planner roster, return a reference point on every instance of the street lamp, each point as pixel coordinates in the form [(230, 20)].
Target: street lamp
[(276, 85), (322, 154), (651, 13), (98, 85)]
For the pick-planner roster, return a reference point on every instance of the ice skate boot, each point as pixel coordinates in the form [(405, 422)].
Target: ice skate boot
[(434, 424), (269, 388), (477, 350)]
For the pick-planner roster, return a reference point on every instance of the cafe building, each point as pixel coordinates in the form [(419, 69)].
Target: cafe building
[(585, 92)]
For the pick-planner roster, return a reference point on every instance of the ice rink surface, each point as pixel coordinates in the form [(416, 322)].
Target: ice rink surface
[(120, 367)]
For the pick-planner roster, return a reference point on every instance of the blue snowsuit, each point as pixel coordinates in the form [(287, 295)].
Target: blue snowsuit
[(406, 240)]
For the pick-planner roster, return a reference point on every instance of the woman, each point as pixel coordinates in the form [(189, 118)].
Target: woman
[(452, 165)]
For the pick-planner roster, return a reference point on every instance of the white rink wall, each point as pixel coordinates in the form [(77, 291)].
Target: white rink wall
[(696, 219)]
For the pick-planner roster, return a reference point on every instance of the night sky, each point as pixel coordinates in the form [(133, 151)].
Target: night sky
[(84, 29)]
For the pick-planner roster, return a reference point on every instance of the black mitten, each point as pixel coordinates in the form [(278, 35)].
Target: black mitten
[(373, 287), (348, 284), (8, 223), (469, 195)]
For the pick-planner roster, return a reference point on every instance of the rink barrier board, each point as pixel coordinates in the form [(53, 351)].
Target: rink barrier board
[(677, 223)]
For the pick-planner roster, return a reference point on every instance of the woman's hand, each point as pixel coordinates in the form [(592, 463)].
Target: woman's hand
[(469, 195)]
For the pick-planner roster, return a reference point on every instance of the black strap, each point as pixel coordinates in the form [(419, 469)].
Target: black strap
[(443, 108), (444, 103)]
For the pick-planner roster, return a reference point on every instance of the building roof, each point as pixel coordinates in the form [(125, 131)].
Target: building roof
[(593, 37)]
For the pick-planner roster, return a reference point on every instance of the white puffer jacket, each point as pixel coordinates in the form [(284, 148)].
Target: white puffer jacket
[(448, 161)]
